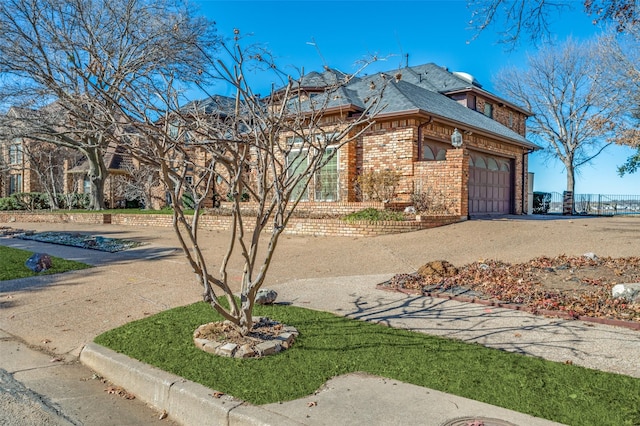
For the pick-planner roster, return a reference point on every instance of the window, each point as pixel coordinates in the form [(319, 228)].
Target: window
[(15, 153), (488, 109), (326, 179), (297, 162), (492, 164), (86, 186), (294, 141), (432, 150), (15, 184)]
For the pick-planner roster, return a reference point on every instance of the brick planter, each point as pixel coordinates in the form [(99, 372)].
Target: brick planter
[(297, 226)]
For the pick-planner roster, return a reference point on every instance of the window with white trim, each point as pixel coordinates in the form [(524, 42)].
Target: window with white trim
[(297, 162), (326, 179), (15, 184), (15, 153)]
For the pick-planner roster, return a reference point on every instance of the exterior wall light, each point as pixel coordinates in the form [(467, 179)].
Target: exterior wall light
[(456, 138)]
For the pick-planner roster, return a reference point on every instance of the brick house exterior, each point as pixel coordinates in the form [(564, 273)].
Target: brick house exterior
[(23, 160), (425, 105)]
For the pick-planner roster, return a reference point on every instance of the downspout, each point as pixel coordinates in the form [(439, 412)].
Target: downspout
[(420, 126), (525, 190)]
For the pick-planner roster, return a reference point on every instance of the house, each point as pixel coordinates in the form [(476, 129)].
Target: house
[(32, 164), (425, 106), (27, 165), (427, 109)]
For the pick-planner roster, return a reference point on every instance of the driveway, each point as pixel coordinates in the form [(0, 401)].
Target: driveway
[(61, 313)]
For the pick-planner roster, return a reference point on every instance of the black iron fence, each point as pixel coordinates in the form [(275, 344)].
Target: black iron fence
[(586, 204)]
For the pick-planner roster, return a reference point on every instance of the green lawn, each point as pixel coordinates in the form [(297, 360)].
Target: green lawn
[(330, 345), (12, 264)]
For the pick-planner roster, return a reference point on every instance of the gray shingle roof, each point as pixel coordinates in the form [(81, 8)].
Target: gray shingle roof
[(318, 80), (421, 88), (404, 96), (434, 77)]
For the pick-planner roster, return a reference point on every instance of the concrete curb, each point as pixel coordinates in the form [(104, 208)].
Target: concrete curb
[(184, 401)]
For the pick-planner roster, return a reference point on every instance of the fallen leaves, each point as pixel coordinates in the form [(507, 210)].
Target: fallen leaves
[(119, 391), (576, 286)]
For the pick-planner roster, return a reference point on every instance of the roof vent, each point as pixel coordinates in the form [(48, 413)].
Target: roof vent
[(467, 77)]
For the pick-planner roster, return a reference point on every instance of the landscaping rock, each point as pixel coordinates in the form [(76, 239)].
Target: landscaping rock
[(627, 291), (228, 350), (222, 339), (269, 347), (286, 339), (266, 297), (211, 347), (245, 351), (39, 262)]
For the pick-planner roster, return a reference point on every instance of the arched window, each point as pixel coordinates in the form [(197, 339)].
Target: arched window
[(434, 150), (492, 164), (427, 154)]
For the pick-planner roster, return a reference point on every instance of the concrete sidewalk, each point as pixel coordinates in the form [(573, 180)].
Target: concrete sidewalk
[(60, 315)]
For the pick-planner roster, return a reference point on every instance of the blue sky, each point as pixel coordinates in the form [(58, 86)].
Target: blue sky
[(428, 31)]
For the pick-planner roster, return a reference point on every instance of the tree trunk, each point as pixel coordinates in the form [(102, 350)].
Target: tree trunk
[(571, 183), (97, 177), (246, 314)]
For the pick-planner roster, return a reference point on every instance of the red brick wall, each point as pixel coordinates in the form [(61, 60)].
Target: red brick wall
[(297, 226), (447, 179)]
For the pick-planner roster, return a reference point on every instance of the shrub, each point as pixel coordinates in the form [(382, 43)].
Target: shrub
[(541, 202), (73, 201), (9, 203), (32, 200), (430, 203), (243, 198), (374, 215), (25, 201), (378, 185)]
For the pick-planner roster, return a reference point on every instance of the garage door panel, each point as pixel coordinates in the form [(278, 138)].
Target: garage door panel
[(490, 191)]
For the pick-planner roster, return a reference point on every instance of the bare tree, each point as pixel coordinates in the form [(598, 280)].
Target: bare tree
[(620, 61), (265, 149), (534, 17), (81, 54), (47, 162), (140, 183), (516, 18), (576, 115)]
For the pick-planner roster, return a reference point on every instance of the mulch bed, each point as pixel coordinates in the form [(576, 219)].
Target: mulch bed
[(567, 287), (72, 239)]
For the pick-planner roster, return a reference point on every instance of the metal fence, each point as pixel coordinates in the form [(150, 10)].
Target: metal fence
[(597, 204)]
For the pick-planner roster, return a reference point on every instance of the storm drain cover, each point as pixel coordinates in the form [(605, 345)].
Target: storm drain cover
[(477, 421)]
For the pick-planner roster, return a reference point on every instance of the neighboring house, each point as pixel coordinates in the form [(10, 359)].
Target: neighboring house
[(119, 165), (26, 165), (426, 105)]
